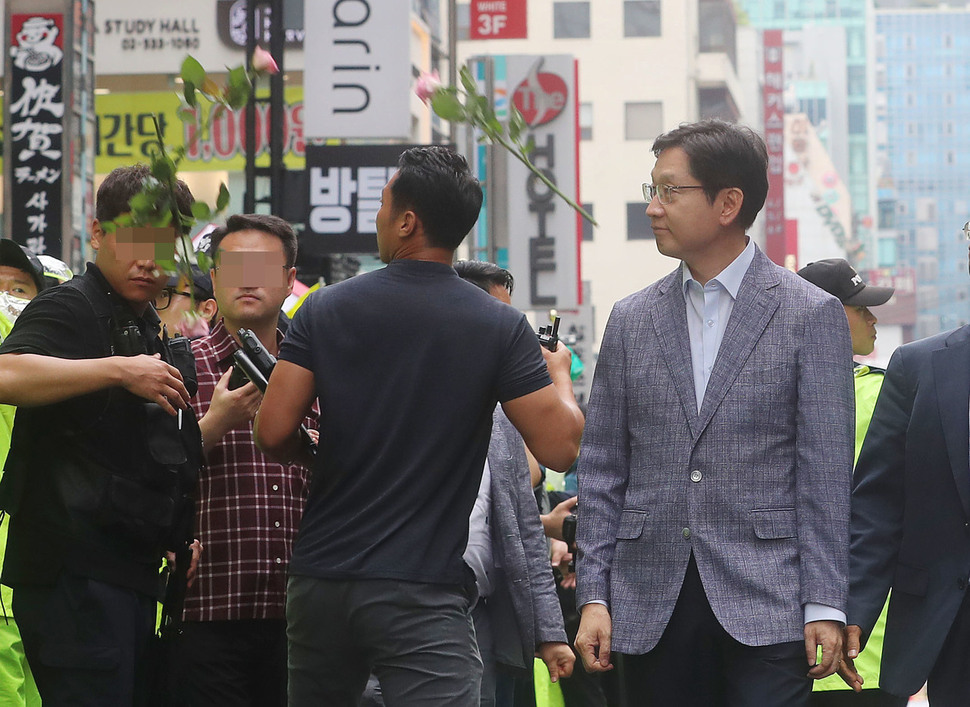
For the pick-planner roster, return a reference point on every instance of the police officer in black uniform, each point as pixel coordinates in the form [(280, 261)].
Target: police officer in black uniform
[(102, 465)]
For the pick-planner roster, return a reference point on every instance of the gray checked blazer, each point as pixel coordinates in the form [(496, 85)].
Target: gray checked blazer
[(756, 484), (523, 607)]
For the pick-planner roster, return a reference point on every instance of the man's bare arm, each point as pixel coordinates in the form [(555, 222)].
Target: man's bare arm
[(28, 380), (549, 419), (287, 400)]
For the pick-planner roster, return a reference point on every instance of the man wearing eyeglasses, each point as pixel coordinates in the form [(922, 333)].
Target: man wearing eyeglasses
[(187, 307), (715, 468)]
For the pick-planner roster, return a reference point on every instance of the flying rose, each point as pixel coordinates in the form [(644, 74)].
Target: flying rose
[(427, 85), (264, 63)]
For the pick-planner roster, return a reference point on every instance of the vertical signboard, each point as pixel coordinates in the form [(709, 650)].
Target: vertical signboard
[(34, 167), (498, 19), (357, 78), (776, 246), (543, 230), (345, 183)]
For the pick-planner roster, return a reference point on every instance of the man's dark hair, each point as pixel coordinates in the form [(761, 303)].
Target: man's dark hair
[(273, 225), (436, 184), (122, 183), (485, 275), (723, 155)]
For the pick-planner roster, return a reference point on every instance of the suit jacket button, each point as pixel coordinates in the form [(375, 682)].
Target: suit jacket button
[(686, 532), (696, 476)]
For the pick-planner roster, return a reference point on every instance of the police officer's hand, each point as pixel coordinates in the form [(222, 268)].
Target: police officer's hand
[(151, 378), (229, 409)]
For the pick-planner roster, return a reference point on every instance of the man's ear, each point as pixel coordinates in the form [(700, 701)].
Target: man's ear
[(97, 234), (409, 224), (731, 200), (207, 308)]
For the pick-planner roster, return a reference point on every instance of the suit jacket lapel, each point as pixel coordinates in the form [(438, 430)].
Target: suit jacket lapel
[(951, 373), (669, 315), (753, 309)]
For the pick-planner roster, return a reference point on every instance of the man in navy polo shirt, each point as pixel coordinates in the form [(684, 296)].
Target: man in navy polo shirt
[(407, 363)]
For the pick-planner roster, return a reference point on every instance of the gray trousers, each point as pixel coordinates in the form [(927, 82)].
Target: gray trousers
[(417, 638)]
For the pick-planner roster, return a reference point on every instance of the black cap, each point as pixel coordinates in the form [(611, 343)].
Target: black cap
[(15, 255), (201, 283), (837, 277)]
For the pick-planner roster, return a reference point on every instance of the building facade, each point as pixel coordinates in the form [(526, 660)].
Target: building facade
[(644, 66), (923, 136)]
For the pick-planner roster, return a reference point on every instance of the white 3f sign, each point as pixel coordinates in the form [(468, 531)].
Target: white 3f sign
[(357, 76)]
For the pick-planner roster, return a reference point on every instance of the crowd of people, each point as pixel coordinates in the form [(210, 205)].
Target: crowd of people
[(370, 527)]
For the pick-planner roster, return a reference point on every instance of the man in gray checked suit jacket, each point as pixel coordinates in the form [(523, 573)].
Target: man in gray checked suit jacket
[(717, 460)]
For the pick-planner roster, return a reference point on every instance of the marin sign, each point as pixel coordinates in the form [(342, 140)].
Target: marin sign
[(345, 193), (35, 120)]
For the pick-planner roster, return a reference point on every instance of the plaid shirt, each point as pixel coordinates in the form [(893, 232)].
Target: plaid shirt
[(248, 510)]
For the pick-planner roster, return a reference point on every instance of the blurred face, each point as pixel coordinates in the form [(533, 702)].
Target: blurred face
[(17, 283), (862, 327), (126, 258), (177, 302), (689, 224), (251, 279)]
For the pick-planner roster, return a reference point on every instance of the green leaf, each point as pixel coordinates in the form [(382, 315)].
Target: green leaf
[(201, 210), (239, 89), (447, 106), (186, 114), (163, 168), (142, 203), (203, 261), (122, 221), (517, 123), (189, 93), (192, 71), (222, 201), (468, 81), (167, 265), (109, 227)]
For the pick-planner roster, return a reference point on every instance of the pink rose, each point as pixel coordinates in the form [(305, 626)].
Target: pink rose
[(263, 62), (427, 85)]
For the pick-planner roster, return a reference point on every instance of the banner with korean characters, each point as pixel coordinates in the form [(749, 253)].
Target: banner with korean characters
[(345, 185), (125, 133), (35, 125)]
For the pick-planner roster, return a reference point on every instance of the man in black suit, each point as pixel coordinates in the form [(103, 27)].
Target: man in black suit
[(910, 530)]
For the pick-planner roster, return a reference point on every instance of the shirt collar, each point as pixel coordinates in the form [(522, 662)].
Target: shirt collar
[(222, 343), (149, 315), (730, 277)]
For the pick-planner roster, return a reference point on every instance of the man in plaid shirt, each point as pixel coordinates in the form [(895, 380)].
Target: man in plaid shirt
[(234, 641)]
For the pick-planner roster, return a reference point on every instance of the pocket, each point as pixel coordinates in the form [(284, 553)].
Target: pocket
[(765, 375), (774, 523), (631, 524)]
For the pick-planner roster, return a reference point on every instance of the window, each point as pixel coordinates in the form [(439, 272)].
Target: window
[(570, 20), (857, 120), (587, 229), (641, 18), (463, 20), (585, 121), (644, 121), (637, 222)]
